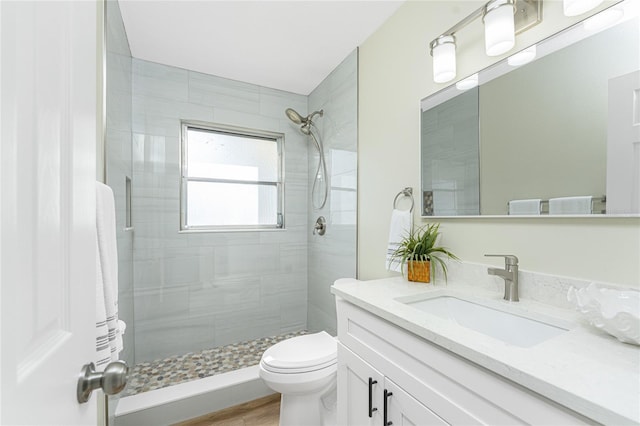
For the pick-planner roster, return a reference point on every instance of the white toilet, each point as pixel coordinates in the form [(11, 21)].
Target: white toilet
[(303, 369)]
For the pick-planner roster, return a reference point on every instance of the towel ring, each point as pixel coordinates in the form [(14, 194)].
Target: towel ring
[(407, 192)]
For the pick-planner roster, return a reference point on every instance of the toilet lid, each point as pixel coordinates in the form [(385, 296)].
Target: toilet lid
[(302, 353)]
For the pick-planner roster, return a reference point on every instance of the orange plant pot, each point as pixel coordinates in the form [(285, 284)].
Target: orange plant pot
[(419, 271)]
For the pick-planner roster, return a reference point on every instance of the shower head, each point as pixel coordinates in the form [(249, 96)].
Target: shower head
[(298, 119), (294, 116)]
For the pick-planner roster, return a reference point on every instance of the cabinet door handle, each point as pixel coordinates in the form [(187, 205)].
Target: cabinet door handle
[(371, 407), (387, 394)]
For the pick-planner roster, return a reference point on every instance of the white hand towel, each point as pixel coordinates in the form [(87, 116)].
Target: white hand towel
[(525, 207), (108, 263), (401, 225), (570, 205), (103, 350)]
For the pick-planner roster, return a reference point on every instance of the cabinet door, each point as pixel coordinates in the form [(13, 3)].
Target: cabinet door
[(360, 388), (404, 410)]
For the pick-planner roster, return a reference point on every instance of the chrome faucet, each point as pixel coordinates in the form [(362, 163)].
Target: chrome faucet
[(510, 275)]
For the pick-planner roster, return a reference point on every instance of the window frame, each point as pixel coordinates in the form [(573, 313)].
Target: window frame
[(278, 138)]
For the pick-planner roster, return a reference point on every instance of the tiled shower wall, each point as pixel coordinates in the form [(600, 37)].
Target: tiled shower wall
[(333, 255), (201, 290), (450, 158), (118, 160)]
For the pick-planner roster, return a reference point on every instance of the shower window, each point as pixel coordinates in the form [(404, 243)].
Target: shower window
[(231, 178)]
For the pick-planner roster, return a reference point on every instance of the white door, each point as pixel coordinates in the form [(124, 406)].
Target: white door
[(623, 145), (48, 131)]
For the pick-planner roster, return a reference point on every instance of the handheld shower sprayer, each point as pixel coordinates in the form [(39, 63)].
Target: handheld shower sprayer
[(305, 128)]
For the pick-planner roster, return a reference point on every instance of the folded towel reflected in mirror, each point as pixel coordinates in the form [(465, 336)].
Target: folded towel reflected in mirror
[(571, 205), (525, 207)]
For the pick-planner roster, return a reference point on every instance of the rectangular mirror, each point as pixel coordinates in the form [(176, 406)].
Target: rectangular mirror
[(559, 135)]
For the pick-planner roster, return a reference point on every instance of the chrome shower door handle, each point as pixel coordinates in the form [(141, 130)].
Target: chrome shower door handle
[(112, 380)]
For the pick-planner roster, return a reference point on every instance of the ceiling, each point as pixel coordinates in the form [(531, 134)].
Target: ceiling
[(289, 45)]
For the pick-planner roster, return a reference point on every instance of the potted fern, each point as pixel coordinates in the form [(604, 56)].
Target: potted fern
[(418, 250)]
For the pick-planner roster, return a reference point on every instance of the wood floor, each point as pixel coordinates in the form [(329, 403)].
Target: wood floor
[(260, 412)]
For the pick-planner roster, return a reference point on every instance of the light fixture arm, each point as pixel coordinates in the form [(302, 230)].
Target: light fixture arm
[(463, 23), (480, 12)]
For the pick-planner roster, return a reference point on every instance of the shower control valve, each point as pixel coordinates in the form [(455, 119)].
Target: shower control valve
[(320, 227)]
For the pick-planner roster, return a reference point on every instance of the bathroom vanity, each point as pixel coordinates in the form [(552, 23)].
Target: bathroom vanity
[(433, 354)]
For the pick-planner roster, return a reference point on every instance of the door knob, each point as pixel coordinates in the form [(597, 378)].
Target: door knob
[(112, 380)]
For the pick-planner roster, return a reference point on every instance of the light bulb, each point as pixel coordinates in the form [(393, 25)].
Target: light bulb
[(499, 27), (443, 50)]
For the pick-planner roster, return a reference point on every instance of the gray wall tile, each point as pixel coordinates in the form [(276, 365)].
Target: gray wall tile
[(182, 292), (233, 280), (333, 255)]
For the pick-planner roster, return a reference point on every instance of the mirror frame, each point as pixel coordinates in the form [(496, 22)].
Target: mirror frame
[(546, 46)]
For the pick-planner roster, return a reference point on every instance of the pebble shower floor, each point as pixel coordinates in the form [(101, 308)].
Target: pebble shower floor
[(171, 371)]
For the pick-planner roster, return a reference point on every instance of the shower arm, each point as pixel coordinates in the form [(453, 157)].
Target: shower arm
[(313, 114)]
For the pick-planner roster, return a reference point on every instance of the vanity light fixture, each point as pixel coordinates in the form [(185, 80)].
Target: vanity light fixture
[(523, 57), (502, 19), (443, 50), (578, 7), (499, 26)]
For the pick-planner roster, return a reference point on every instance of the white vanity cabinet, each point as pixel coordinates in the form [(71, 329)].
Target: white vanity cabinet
[(367, 390), (429, 385), (403, 409), (360, 387)]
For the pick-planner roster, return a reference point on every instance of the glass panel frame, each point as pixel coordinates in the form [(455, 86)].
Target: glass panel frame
[(238, 132)]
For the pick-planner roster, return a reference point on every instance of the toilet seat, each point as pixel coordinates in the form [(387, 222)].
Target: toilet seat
[(301, 354)]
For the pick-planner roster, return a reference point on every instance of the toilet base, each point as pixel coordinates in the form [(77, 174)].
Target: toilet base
[(317, 409)]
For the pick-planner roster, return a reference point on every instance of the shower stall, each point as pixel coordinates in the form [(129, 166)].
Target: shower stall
[(203, 303)]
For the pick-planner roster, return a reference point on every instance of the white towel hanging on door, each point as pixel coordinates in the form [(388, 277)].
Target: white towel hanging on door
[(107, 276), (103, 350)]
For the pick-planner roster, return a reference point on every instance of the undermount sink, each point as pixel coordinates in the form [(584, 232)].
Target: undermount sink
[(505, 326)]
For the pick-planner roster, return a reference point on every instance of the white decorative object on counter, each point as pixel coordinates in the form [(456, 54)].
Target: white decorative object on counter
[(615, 311)]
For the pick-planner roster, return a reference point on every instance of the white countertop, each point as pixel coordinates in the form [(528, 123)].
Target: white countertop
[(583, 369)]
